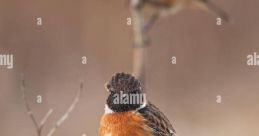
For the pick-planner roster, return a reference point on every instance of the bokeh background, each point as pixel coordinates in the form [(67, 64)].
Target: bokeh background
[(211, 61)]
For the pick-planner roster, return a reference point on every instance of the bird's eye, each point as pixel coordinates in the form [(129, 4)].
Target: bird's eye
[(108, 86)]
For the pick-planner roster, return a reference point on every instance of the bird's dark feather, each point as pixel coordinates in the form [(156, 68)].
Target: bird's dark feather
[(157, 121)]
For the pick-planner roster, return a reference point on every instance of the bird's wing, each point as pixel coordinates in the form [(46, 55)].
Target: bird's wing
[(157, 121)]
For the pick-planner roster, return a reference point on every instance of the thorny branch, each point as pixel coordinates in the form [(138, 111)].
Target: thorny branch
[(40, 126)]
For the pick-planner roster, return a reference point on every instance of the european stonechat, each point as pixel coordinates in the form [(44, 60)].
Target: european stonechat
[(128, 113)]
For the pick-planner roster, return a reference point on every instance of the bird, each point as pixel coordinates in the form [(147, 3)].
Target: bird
[(162, 8), (129, 113)]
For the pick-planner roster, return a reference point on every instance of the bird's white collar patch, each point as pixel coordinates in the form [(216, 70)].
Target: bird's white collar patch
[(143, 105), (107, 109)]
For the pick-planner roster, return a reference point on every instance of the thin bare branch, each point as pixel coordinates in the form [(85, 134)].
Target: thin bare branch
[(45, 118), (140, 42), (27, 106), (138, 22), (150, 22), (67, 113)]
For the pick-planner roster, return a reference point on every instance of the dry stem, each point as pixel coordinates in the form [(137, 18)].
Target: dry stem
[(40, 126), (140, 42), (67, 113)]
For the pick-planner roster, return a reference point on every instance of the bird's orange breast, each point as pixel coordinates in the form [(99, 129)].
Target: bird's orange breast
[(123, 124)]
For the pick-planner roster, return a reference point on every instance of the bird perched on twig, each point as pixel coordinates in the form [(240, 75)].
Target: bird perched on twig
[(167, 7), (128, 113)]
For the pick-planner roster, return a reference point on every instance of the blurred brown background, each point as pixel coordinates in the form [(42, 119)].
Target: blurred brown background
[(211, 61)]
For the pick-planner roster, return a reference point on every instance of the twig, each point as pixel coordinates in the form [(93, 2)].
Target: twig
[(70, 109), (150, 22), (45, 118), (27, 106), (40, 126), (140, 42)]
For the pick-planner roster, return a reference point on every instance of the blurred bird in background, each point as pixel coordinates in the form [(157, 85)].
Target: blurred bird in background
[(159, 8), (131, 118)]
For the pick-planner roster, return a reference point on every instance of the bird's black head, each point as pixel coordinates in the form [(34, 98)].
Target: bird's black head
[(124, 93)]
